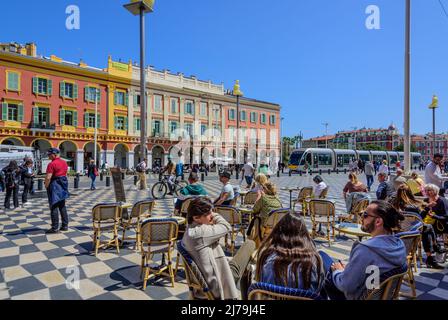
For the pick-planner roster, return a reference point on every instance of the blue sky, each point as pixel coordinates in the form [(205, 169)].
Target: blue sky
[(315, 58)]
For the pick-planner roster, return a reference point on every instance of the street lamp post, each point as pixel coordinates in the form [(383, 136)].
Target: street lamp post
[(142, 7), (95, 139), (326, 134), (407, 84), (281, 139), (238, 93), (434, 104)]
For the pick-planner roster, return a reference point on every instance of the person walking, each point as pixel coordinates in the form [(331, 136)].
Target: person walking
[(92, 173), (369, 171), (12, 180), (433, 174), (27, 178), (56, 184), (248, 173), (141, 172)]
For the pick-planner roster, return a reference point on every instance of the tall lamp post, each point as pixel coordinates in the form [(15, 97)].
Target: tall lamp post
[(95, 136), (281, 139), (237, 93), (326, 134), (407, 84), (141, 7), (434, 104)]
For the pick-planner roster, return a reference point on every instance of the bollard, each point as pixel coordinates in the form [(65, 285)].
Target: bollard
[(183, 176), (101, 176), (107, 181), (345, 171), (135, 180), (122, 176), (76, 182), (300, 172), (311, 172), (202, 177), (278, 173), (289, 172), (329, 171), (40, 184), (320, 171)]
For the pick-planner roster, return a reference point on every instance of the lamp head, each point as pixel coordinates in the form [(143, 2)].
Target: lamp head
[(236, 89), (435, 102), (135, 5)]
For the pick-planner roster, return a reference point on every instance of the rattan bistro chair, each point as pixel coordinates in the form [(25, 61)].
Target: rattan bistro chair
[(322, 212), (233, 216), (140, 210), (185, 204), (250, 198), (389, 288), (196, 283), (355, 213), (413, 221), (158, 235), (305, 194), (267, 291), (106, 217), (411, 240), (273, 218), (324, 193)]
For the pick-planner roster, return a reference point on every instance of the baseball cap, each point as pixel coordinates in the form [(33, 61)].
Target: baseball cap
[(225, 174), (53, 151)]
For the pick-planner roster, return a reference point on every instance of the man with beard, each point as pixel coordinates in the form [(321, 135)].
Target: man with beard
[(383, 250)]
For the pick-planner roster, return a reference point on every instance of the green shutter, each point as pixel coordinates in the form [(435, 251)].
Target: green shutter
[(86, 120), (62, 117), (126, 99), (4, 111), (20, 113), (115, 122), (36, 115), (35, 85), (115, 98), (135, 124), (86, 92), (98, 95), (135, 99), (75, 91), (50, 87), (98, 121), (126, 123), (62, 89), (75, 118)]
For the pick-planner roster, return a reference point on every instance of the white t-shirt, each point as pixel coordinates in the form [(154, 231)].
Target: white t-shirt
[(228, 188), (319, 188), (248, 169)]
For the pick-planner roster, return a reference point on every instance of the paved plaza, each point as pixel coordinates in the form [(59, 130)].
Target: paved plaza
[(37, 266)]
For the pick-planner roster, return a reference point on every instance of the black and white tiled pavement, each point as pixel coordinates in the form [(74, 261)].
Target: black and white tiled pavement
[(38, 266)]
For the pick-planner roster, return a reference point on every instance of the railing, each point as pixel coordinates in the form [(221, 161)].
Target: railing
[(42, 126)]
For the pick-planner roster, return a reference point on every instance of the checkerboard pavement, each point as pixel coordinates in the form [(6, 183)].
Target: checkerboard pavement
[(34, 265)]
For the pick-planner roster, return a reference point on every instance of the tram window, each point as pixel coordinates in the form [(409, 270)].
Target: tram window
[(364, 157), (393, 159), (324, 159), (308, 158), (347, 159), (340, 160), (315, 161)]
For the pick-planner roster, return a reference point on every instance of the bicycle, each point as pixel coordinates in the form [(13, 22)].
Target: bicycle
[(160, 189)]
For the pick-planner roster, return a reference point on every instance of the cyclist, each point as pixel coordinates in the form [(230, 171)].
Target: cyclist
[(170, 170)]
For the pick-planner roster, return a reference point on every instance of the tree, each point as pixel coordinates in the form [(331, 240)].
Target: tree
[(401, 148), (372, 147)]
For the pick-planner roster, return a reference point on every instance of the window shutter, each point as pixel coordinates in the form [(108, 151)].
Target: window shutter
[(62, 117), (75, 118), (98, 121), (115, 98), (20, 113), (125, 123), (86, 120), (35, 85), (229, 114), (62, 89), (75, 91), (86, 92), (4, 111), (98, 95), (126, 99), (35, 115), (115, 122), (135, 99), (50, 87)]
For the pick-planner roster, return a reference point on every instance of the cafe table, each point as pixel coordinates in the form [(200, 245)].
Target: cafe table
[(353, 229), (290, 189)]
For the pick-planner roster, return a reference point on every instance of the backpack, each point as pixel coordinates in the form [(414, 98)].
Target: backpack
[(10, 179), (139, 167)]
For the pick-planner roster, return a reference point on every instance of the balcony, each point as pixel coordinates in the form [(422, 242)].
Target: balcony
[(42, 127)]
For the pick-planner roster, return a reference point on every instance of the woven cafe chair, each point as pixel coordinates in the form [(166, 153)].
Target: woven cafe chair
[(106, 218), (305, 194), (389, 288), (267, 291), (322, 212), (411, 239), (140, 210), (273, 218), (233, 216)]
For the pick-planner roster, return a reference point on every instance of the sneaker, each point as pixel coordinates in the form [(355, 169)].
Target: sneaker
[(51, 231), (432, 263), (63, 229)]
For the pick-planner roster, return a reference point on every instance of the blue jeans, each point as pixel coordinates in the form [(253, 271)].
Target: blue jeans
[(248, 180), (93, 177), (369, 181), (330, 289)]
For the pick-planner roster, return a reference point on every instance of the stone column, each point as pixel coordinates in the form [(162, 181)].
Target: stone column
[(166, 108), (181, 113), (131, 129), (149, 163), (149, 114), (79, 161), (110, 157)]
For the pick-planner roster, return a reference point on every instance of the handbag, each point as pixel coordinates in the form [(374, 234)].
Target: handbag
[(95, 172), (429, 220)]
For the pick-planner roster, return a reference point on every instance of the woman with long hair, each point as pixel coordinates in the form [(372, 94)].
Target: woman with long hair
[(406, 202), (288, 257), (257, 186), (353, 185)]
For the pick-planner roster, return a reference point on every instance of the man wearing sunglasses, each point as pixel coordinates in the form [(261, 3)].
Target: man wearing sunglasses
[(382, 250)]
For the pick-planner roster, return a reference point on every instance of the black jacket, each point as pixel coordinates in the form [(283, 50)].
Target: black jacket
[(27, 177)]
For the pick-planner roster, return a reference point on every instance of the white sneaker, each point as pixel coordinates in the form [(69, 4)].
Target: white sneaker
[(27, 204)]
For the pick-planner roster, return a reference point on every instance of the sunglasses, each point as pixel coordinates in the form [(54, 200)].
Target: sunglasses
[(365, 214)]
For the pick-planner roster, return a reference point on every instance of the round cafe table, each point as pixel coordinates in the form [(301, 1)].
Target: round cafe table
[(352, 229), (290, 189)]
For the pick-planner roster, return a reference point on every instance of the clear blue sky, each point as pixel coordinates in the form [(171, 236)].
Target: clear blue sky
[(314, 57)]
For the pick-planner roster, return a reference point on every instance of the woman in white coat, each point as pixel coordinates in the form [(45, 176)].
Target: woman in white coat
[(201, 240)]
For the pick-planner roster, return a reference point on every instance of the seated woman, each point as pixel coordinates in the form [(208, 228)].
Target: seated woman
[(288, 257), (406, 202), (353, 187), (435, 209), (201, 240), (319, 187), (420, 182), (257, 186)]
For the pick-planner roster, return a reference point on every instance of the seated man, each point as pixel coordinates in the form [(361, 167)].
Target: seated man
[(399, 179), (227, 194), (383, 250), (384, 190), (201, 240), (193, 189)]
